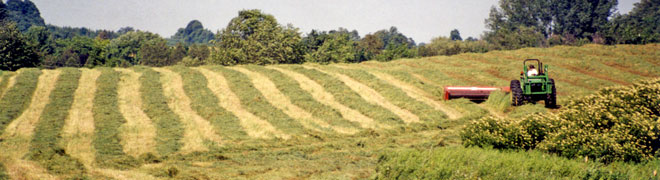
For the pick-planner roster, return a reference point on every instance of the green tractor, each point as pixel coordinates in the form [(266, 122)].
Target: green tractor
[(535, 86)]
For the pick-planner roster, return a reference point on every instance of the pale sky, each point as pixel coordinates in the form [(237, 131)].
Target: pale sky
[(420, 19)]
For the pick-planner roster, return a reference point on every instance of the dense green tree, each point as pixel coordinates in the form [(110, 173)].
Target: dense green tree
[(199, 51), (256, 38), (24, 13), (178, 53), (155, 52), (640, 26), (70, 32), (74, 52), (41, 40), (194, 33), (370, 46), (393, 37), (124, 50), (455, 35), (3, 11), (579, 19), (337, 48), (15, 52)]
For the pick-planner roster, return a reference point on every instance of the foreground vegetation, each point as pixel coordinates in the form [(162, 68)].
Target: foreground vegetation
[(477, 163), (341, 121)]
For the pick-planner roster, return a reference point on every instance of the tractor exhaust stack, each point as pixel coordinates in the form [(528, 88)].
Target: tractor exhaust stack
[(473, 93)]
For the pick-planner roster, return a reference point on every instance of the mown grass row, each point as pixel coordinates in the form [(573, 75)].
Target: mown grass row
[(107, 120), (3, 172), (393, 94), (45, 147), (476, 163), (206, 105), (169, 128), (17, 98), (4, 81), (303, 99), (343, 94), (256, 103)]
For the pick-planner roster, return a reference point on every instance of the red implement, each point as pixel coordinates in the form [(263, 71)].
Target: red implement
[(472, 93)]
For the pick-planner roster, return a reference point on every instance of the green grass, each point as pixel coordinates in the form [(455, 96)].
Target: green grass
[(476, 163), (45, 147), (343, 94), (5, 81), (256, 103), (17, 98), (206, 105), (169, 128), (3, 172), (498, 101), (303, 99), (524, 110), (394, 95), (107, 120)]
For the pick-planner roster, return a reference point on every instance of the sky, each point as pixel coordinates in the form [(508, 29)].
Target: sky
[(420, 19)]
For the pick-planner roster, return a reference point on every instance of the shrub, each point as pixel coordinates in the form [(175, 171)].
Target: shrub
[(618, 123)]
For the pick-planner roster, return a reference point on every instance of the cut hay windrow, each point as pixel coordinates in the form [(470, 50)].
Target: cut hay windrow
[(78, 131), (3, 172), (16, 137), (7, 80), (372, 96), (417, 94), (317, 91), (46, 146), (344, 95), (169, 128), (18, 97), (197, 129), (299, 97), (257, 104), (393, 94), (107, 120), (253, 125), (206, 104), (274, 96), (138, 134)]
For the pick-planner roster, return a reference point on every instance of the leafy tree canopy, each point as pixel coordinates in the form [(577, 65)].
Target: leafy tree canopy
[(455, 35), (194, 33), (24, 13), (640, 26), (15, 53), (256, 38)]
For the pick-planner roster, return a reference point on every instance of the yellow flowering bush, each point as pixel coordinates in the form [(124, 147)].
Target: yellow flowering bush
[(617, 123)]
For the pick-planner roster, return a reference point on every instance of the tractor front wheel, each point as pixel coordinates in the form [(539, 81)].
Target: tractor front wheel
[(551, 99), (516, 93)]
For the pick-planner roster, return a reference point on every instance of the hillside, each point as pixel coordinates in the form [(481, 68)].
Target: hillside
[(280, 121)]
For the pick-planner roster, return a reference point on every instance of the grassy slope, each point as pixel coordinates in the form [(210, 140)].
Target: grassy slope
[(107, 120), (357, 156), (206, 105), (254, 101), (17, 98), (303, 99), (45, 147), (169, 129)]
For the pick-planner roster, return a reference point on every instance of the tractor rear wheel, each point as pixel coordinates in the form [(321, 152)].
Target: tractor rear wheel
[(551, 99), (516, 93)]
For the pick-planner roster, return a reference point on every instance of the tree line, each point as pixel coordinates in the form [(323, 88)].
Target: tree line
[(254, 37)]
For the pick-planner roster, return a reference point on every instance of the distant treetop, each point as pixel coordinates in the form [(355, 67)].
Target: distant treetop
[(24, 13), (194, 33)]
